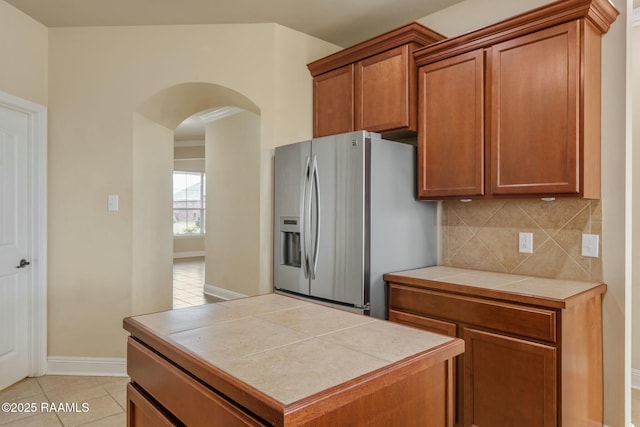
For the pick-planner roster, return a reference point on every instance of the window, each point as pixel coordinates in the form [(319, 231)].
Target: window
[(188, 203)]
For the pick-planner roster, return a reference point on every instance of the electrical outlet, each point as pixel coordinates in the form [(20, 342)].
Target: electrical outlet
[(590, 243), (525, 243)]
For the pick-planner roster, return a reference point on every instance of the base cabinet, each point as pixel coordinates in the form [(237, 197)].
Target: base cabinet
[(518, 375), (524, 365)]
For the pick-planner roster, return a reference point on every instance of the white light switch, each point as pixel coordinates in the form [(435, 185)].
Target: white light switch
[(112, 203), (525, 243), (590, 243)]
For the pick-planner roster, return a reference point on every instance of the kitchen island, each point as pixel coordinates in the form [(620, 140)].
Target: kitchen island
[(276, 360)]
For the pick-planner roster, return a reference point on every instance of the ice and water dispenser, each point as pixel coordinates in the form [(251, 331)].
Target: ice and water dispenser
[(290, 251)]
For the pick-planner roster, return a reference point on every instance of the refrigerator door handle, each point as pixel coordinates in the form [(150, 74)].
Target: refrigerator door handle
[(316, 187), (303, 218)]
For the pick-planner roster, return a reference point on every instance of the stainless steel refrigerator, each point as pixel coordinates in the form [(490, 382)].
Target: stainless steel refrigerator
[(345, 213)]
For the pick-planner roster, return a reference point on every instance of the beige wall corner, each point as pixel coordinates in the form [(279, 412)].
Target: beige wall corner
[(635, 72), (616, 322), (24, 50), (152, 278), (233, 204)]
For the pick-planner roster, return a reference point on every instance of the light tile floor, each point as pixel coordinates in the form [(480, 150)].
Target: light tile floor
[(105, 397), (188, 283), (92, 401)]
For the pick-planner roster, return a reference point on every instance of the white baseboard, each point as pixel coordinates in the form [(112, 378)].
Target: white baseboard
[(192, 254), (89, 366), (221, 293), (635, 378)]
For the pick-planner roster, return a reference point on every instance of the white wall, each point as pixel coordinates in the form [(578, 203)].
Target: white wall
[(470, 14)]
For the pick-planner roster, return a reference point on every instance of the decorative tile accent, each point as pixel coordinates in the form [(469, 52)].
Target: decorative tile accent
[(483, 235)]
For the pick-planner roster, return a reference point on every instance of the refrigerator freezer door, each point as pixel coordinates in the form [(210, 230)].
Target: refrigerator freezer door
[(290, 243), (339, 273)]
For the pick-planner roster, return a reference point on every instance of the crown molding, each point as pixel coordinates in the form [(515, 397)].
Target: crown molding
[(600, 13), (189, 143), (219, 113)]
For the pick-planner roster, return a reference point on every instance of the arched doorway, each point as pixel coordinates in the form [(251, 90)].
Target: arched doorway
[(230, 260)]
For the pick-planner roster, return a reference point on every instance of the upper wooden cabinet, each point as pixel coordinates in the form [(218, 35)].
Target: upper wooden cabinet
[(451, 132), (513, 109), (333, 102), (370, 86)]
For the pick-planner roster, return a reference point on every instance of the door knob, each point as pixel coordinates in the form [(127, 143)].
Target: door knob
[(23, 263)]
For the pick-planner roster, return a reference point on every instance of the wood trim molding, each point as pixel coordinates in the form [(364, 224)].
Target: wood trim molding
[(413, 33), (192, 254), (600, 13), (90, 366), (222, 293)]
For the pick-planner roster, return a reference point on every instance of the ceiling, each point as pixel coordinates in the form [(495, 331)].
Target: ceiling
[(337, 21)]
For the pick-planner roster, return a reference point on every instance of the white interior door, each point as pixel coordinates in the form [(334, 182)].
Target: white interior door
[(14, 245)]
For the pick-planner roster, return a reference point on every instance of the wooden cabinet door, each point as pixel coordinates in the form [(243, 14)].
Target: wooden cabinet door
[(333, 102), (141, 412), (508, 381), (385, 92), (451, 127), (535, 87)]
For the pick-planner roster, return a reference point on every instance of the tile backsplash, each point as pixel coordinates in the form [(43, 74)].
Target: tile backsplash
[(483, 235)]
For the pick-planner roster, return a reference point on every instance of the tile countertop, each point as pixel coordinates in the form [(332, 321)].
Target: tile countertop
[(552, 293), (286, 348)]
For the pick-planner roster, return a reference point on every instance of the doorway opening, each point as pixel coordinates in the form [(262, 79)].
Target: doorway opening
[(189, 208), (233, 162)]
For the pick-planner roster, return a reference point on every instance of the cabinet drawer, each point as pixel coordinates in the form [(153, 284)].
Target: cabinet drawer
[(520, 320), (141, 412), (184, 397), (432, 325)]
